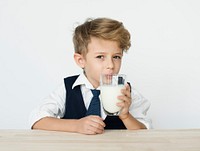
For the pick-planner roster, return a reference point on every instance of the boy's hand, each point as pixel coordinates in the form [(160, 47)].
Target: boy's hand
[(126, 102), (91, 125)]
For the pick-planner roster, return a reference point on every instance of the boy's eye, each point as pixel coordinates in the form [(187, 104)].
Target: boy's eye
[(100, 57), (117, 57)]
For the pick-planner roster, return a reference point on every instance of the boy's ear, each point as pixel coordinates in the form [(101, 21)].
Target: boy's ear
[(79, 59)]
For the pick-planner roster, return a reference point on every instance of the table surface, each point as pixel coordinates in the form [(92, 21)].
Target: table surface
[(115, 140)]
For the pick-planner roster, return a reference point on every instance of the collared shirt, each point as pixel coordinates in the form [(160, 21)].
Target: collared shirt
[(54, 104)]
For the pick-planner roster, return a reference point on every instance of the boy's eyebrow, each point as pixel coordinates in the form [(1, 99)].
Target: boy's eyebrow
[(100, 52), (119, 53), (104, 52)]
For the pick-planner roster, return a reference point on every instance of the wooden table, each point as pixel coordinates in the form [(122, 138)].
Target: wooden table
[(111, 140)]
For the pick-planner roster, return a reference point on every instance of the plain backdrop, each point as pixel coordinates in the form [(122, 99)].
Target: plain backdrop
[(163, 64)]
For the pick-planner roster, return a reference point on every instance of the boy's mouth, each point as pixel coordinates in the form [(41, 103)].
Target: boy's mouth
[(109, 74)]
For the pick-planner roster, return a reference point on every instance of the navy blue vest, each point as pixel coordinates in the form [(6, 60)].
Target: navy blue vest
[(75, 107)]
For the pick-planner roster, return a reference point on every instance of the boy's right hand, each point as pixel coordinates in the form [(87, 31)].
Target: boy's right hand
[(90, 125)]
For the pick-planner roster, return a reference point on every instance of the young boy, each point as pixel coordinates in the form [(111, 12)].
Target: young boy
[(99, 46)]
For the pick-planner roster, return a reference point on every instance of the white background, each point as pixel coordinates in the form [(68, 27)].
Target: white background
[(36, 53)]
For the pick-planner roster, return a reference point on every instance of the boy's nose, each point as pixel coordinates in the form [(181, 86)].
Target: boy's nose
[(110, 64)]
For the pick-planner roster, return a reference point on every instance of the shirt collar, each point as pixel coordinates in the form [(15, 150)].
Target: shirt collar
[(82, 80)]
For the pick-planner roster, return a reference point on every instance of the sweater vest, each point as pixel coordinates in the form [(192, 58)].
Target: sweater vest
[(75, 107)]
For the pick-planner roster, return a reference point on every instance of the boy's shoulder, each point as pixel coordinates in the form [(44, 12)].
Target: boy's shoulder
[(70, 79)]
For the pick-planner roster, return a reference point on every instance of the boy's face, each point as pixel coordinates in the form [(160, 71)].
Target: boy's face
[(103, 57)]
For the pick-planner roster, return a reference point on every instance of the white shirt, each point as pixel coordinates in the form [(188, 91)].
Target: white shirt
[(54, 104)]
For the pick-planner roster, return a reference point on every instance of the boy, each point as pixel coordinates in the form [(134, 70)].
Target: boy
[(99, 46)]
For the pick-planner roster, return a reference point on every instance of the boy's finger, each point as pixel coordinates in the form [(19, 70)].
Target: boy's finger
[(99, 120)]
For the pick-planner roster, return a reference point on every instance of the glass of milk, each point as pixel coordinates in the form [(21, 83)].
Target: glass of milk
[(110, 86)]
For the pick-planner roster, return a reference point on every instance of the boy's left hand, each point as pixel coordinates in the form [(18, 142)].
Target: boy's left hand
[(126, 102)]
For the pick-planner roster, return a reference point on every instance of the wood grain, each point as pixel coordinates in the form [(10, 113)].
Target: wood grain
[(111, 140)]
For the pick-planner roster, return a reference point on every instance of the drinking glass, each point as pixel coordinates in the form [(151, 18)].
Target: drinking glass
[(110, 86)]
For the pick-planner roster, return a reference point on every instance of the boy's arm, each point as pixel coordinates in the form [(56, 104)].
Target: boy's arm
[(132, 124), (55, 124), (46, 116), (133, 105), (86, 125)]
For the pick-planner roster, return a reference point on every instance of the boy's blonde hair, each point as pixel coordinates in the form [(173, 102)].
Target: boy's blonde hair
[(104, 28)]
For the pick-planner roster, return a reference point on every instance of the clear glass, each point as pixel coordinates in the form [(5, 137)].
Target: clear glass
[(110, 86)]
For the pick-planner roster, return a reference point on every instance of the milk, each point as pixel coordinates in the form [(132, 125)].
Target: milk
[(109, 94)]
